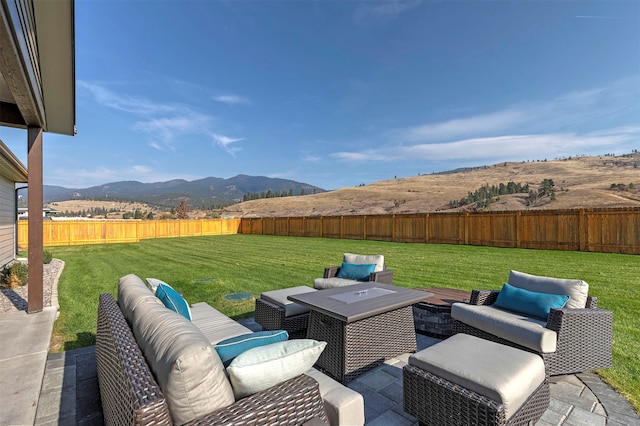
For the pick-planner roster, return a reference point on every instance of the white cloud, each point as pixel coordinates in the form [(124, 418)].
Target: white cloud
[(123, 102), (485, 123), (502, 148), (380, 12), (226, 142), (164, 123), (166, 128), (232, 99)]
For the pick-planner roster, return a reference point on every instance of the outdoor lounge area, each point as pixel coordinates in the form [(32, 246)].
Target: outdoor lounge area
[(70, 391)]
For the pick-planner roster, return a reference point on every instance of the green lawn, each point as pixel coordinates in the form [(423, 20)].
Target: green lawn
[(207, 268)]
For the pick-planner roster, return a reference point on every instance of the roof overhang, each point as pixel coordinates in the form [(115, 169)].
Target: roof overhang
[(37, 65), (10, 167)]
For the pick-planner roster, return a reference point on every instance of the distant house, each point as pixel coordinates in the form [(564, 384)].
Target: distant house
[(11, 172)]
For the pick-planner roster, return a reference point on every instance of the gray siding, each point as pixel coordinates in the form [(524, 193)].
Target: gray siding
[(7, 221)]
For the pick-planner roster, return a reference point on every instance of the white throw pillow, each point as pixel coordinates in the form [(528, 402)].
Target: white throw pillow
[(260, 368)]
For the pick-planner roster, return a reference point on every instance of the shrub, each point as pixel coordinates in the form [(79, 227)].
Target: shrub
[(47, 257), (14, 275)]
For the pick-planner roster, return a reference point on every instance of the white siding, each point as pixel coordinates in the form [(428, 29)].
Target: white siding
[(7, 221)]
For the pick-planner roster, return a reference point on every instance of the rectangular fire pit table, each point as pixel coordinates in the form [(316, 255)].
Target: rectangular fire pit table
[(363, 325)]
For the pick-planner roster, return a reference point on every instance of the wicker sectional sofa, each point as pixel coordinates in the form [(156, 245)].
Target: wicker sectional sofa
[(157, 367)]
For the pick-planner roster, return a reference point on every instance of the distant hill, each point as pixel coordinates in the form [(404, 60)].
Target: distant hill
[(581, 182), (207, 192)]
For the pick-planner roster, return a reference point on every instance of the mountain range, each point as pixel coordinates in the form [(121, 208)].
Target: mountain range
[(207, 192)]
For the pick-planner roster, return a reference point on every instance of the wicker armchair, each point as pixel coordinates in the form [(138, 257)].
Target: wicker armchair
[(331, 274), (584, 336), (131, 395)]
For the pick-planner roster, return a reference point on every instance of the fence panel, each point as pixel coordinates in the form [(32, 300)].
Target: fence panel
[(446, 228), (551, 230), (332, 227), (313, 227), (296, 227), (410, 228), (281, 226), (379, 228), (613, 231), (497, 229), (353, 227)]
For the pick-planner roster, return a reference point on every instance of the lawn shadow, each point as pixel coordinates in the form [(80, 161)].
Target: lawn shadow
[(84, 339)]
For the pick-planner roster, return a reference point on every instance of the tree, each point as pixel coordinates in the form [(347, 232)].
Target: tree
[(182, 211)]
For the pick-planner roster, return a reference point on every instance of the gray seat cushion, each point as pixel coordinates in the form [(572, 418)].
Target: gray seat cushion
[(324, 283), (279, 298), (518, 328), (502, 373), (214, 325)]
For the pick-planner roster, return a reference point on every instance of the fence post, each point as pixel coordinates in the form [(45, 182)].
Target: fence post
[(364, 227), (427, 224), (466, 228), (583, 229), (518, 225)]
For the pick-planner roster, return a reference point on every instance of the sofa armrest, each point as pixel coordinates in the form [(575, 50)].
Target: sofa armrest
[(483, 297), (385, 277), (295, 401), (331, 271), (584, 335)]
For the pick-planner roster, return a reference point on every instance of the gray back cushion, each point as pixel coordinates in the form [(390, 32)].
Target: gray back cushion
[(133, 292), (360, 259), (186, 366), (577, 290)]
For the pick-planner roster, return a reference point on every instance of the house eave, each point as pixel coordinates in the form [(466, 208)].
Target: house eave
[(10, 167)]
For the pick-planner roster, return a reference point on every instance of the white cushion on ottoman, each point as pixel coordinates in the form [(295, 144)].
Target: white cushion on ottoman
[(502, 373), (279, 297)]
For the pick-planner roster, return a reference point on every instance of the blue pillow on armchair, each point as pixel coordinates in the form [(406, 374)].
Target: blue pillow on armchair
[(528, 302), (356, 271)]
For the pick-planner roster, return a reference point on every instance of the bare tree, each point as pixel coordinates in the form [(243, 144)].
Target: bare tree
[(182, 211)]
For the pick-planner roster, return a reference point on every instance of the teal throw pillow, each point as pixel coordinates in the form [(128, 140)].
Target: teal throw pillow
[(528, 302), (356, 271), (230, 348), (173, 300)]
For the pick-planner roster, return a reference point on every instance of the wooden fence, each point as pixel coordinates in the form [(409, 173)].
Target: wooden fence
[(75, 232), (615, 230)]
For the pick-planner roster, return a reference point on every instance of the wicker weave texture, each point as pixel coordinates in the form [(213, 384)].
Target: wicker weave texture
[(355, 348), (584, 342), (438, 402), (271, 317), (294, 402), (128, 391)]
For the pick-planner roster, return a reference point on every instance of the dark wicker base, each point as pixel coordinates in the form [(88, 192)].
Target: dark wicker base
[(271, 317), (438, 402), (357, 347)]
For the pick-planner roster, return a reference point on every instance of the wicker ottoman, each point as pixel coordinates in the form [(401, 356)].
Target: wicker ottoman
[(465, 380), (275, 312)]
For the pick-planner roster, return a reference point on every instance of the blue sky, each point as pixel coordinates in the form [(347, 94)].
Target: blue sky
[(340, 93)]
